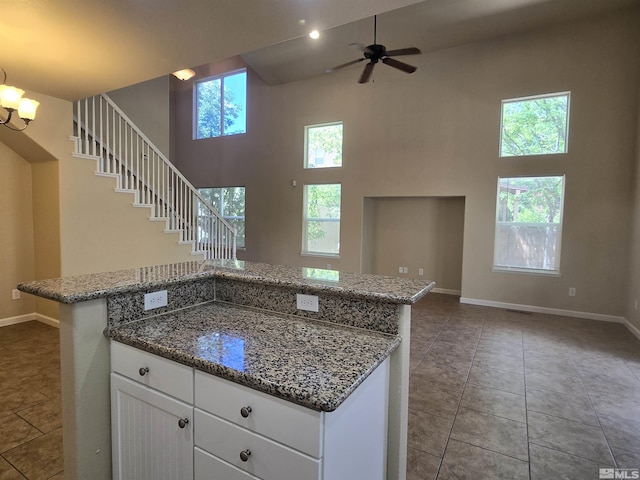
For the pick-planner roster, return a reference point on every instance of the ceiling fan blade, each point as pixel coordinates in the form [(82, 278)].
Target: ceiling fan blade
[(399, 65), (352, 62), (366, 73), (403, 51)]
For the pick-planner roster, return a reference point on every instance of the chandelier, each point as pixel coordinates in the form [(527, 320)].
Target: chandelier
[(11, 100)]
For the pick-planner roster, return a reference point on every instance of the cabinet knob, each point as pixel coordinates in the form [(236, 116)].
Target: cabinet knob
[(143, 371), (183, 422), (245, 411), (244, 455)]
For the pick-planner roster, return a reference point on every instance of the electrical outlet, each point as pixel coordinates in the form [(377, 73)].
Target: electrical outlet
[(307, 302), (328, 266), (155, 300), (400, 269), (572, 291), (15, 294), (421, 271), (405, 269)]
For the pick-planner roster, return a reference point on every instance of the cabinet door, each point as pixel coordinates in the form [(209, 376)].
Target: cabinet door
[(149, 441)]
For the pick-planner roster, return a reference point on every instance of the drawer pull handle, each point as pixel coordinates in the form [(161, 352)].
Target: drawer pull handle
[(183, 422), (245, 411), (143, 371), (244, 455)]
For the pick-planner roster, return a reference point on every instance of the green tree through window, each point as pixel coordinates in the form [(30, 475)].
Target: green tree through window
[(535, 125), (221, 105), (322, 219), (323, 145), (230, 203)]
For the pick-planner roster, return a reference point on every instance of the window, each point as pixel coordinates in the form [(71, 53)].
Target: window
[(529, 224), (229, 202), (321, 233), (535, 125), (221, 105), (323, 145)]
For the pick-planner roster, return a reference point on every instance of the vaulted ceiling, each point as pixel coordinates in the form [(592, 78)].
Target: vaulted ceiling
[(75, 48)]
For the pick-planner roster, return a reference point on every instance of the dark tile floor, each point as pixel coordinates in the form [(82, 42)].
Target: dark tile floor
[(30, 419), (493, 395), (505, 395)]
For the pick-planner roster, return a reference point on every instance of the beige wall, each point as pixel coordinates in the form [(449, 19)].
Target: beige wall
[(17, 262), (147, 105), (435, 133), (633, 300), (418, 233), (46, 228)]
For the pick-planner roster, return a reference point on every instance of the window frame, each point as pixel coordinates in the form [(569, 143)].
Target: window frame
[(306, 219), (557, 257), (306, 144), (195, 110), (531, 98)]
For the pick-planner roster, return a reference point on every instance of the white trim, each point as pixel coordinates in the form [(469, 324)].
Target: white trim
[(52, 322), (632, 328), (446, 291), (551, 311), (28, 317), (4, 322)]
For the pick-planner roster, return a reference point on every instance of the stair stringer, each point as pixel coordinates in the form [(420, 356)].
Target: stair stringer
[(103, 232)]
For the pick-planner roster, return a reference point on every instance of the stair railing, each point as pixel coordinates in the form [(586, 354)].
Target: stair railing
[(104, 131)]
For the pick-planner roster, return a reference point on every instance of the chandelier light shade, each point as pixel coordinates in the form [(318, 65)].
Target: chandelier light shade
[(11, 100)]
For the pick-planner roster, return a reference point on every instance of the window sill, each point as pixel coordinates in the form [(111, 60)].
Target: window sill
[(529, 271), (320, 254)]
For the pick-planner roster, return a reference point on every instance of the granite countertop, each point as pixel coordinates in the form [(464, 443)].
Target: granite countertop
[(99, 285), (308, 362)]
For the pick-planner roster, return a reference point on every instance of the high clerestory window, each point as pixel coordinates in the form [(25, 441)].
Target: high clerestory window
[(323, 145), (535, 125), (220, 105)]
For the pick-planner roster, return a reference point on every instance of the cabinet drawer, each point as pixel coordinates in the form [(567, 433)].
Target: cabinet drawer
[(165, 375), (268, 460), (208, 467), (285, 422)]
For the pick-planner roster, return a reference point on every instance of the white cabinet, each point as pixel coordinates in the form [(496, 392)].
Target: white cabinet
[(152, 432), (244, 434), (168, 424)]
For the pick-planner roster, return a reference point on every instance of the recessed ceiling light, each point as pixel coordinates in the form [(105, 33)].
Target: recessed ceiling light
[(315, 34)]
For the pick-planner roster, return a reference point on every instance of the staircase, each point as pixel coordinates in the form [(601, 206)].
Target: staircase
[(104, 133)]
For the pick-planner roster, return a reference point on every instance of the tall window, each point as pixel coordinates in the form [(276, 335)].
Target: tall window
[(229, 202), (323, 145), (220, 105), (321, 230), (535, 125), (529, 224)]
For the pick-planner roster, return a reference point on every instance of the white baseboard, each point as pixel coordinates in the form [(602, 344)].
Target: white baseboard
[(28, 317), (632, 328), (446, 291), (550, 311), (53, 322)]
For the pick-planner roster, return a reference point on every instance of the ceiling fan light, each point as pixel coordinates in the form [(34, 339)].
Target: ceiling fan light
[(184, 74), (315, 34), (27, 109), (10, 97)]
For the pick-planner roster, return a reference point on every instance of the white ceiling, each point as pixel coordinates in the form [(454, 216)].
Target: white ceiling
[(75, 48)]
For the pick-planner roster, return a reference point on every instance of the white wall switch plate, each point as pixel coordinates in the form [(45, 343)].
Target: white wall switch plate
[(155, 300), (307, 302), (15, 294)]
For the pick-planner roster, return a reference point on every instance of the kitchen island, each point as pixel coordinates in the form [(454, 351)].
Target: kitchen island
[(93, 303)]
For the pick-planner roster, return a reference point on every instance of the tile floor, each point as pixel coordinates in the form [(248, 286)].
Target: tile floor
[(493, 395), (506, 395), (30, 419)]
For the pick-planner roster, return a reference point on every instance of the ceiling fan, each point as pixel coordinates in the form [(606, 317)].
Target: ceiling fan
[(376, 53)]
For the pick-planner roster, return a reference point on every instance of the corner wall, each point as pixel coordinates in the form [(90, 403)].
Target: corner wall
[(633, 300), (16, 235)]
